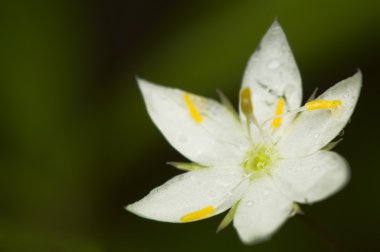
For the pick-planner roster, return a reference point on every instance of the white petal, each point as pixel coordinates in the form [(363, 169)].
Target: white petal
[(261, 212), (311, 178), (312, 130), (201, 129), (271, 73), (192, 191)]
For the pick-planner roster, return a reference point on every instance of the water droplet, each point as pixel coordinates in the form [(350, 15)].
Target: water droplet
[(183, 178), (183, 139), (266, 193), (346, 95), (294, 169), (273, 64), (213, 194), (250, 203), (316, 135), (315, 170)]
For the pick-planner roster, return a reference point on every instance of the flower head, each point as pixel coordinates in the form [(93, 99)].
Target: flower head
[(259, 163)]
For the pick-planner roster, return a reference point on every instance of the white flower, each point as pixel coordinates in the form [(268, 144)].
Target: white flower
[(260, 163)]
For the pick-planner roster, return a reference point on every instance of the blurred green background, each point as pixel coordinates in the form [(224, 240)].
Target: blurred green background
[(76, 144)]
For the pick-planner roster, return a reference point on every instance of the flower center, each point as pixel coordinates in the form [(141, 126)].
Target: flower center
[(259, 160)]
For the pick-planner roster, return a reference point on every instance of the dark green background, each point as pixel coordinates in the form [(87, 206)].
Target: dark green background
[(76, 144)]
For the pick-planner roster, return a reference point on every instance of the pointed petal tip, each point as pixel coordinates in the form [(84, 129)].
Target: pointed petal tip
[(144, 85), (133, 206), (276, 22), (356, 78), (128, 207), (275, 35), (140, 81), (276, 26), (358, 74)]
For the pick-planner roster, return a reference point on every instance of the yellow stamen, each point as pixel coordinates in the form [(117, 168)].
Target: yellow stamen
[(199, 214), (322, 104), (279, 110), (194, 113), (245, 102)]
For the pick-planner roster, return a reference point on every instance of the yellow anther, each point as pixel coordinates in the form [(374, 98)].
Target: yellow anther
[(194, 113), (199, 214), (245, 102), (322, 104), (279, 110)]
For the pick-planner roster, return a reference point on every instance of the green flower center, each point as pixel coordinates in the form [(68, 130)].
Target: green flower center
[(259, 160)]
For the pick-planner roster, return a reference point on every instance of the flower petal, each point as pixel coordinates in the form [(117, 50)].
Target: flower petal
[(272, 73), (193, 195), (312, 130), (201, 129), (261, 212), (312, 178)]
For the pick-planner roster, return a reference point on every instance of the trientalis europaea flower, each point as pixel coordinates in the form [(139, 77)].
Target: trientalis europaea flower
[(260, 163)]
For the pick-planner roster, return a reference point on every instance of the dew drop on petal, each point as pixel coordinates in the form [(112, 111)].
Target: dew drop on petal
[(315, 170), (200, 183), (273, 64), (213, 194), (250, 203), (316, 135), (346, 95), (183, 139), (199, 153), (294, 169), (266, 194), (189, 177)]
